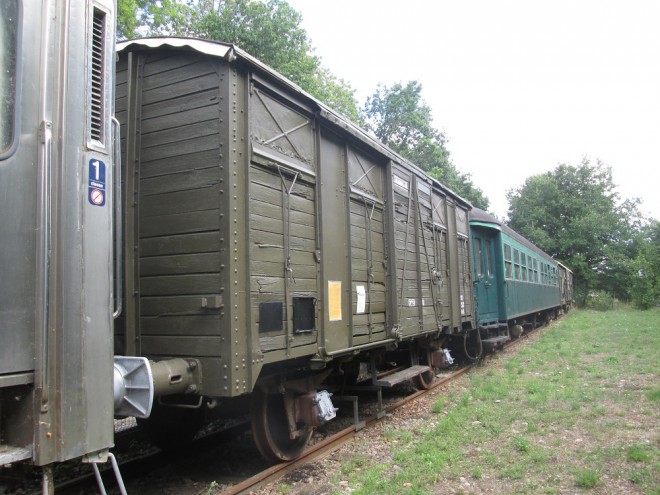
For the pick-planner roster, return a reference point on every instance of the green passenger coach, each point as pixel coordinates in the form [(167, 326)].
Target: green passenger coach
[(517, 285)]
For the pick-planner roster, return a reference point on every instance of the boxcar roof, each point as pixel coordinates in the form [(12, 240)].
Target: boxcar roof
[(230, 53), (564, 267), (481, 217)]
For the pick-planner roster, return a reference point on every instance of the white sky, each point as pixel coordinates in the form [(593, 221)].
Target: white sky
[(518, 86)]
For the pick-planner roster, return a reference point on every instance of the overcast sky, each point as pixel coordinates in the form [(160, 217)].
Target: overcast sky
[(518, 86)]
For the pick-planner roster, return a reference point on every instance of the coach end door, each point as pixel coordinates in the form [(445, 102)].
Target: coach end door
[(485, 276)]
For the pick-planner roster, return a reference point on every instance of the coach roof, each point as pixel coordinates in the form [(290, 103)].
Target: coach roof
[(479, 217)]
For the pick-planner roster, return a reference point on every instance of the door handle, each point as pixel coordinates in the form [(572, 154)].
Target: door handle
[(117, 218)]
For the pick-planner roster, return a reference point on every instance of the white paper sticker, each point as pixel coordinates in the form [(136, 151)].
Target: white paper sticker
[(361, 299), (398, 181)]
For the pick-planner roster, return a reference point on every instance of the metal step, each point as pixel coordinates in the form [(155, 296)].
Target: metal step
[(494, 326), (496, 340), (401, 376), (12, 453)]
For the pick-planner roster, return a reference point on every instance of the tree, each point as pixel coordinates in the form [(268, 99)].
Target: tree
[(155, 18), (645, 276), (399, 117), (402, 120), (574, 214), (127, 21), (268, 30)]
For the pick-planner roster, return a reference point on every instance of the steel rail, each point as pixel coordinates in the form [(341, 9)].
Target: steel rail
[(334, 442), (316, 451), (331, 443)]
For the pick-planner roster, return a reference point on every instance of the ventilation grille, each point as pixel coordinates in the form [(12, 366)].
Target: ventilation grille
[(98, 57)]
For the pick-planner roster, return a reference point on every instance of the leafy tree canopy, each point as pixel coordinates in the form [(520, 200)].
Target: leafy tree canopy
[(575, 215), (399, 117), (269, 30), (645, 267)]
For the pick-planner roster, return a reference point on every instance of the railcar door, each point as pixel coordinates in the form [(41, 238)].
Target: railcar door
[(485, 276), (367, 247)]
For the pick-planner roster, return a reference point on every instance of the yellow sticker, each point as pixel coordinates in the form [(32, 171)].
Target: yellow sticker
[(334, 300)]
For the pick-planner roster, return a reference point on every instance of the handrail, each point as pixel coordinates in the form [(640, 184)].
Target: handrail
[(117, 219)]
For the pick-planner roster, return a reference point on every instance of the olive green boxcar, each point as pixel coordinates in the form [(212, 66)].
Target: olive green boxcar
[(263, 227), (267, 235), (566, 286)]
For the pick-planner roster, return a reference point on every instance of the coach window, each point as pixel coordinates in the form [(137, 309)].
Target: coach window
[(9, 10), (536, 270), (516, 262), (507, 261), (523, 267), (478, 258), (489, 260)]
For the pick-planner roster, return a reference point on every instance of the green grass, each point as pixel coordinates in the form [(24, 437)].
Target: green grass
[(587, 478), (438, 406), (639, 453), (583, 394)]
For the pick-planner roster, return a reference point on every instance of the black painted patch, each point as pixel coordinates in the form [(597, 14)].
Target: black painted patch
[(270, 316), (303, 314)]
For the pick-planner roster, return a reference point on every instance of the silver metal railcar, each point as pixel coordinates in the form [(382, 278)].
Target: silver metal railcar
[(56, 228)]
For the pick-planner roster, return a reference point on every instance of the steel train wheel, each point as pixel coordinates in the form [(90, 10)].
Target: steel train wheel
[(426, 379), (270, 428)]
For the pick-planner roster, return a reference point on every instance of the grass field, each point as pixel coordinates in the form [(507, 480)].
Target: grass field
[(576, 411)]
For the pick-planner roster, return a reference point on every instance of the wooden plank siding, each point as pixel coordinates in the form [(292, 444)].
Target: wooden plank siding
[(368, 250), (282, 216), (422, 262), (180, 190), (246, 197)]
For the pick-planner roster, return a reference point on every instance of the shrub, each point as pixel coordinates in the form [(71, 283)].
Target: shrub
[(600, 301)]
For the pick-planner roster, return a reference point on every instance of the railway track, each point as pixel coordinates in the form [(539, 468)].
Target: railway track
[(236, 480), (335, 441), (331, 443)]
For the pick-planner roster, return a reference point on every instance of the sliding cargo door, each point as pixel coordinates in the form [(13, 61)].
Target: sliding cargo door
[(441, 268), (418, 263), (367, 248), (282, 226), (459, 267)]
